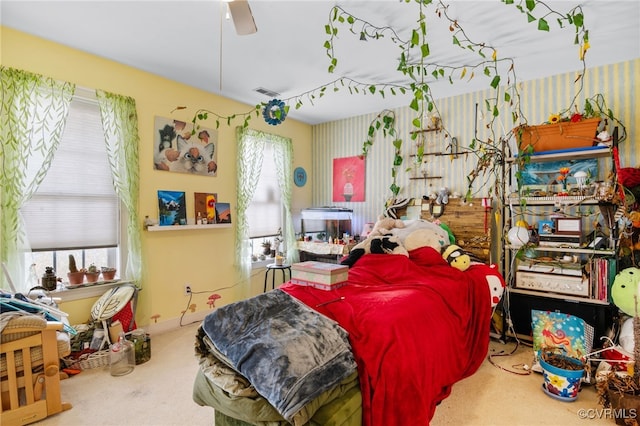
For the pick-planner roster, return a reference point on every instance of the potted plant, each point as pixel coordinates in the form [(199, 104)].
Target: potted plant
[(266, 245), (108, 273), (74, 275), (92, 273)]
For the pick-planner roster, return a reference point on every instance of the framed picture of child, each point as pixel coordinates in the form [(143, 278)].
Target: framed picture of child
[(178, 149)]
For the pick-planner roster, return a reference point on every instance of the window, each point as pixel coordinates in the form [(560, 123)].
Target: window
[(265, 210), (75, 210)]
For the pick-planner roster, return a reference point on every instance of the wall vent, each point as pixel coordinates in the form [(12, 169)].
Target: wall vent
[(267, 92)]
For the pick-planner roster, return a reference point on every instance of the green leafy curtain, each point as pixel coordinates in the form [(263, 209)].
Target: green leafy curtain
[(251, 145), (120, 123), (33, 113)]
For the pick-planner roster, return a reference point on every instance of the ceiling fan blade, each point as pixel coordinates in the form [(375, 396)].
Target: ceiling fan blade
[(242, 17)]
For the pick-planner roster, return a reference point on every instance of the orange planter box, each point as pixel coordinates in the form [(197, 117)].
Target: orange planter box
[(563, 135)]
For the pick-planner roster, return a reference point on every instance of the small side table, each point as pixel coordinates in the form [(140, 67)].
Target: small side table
[(272, 267)]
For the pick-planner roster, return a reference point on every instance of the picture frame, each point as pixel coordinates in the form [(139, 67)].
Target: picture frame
[(546, 227), (172, 208), (568, 226), (179, 147), (205, 206), (223, 212)]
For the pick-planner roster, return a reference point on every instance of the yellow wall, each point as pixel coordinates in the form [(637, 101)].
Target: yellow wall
[(203, 258)]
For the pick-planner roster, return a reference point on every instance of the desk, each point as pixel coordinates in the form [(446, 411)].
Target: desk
[(272, 267)]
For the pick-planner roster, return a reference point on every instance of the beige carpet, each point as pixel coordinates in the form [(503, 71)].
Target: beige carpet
[(159, 393)]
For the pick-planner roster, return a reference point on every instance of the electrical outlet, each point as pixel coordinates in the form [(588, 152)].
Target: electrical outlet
[(187, 290)]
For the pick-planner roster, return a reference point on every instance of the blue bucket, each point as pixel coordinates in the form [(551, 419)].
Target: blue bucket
[(559, 383)]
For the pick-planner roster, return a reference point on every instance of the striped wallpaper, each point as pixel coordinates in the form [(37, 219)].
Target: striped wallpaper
[(618, 83)]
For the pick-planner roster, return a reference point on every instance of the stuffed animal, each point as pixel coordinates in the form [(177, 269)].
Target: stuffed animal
[(626, 289), (440, 236), (384, 225), (378, 244), (424, 237), (456, 257), (443, 196)]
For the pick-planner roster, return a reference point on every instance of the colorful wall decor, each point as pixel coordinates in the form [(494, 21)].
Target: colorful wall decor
[(178, 149), (348, 179)]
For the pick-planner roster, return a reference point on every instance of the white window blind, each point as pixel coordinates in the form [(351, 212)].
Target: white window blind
[(76, 205), (265, 212)]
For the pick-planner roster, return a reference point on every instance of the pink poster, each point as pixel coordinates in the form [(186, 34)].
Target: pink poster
[(348, 179)]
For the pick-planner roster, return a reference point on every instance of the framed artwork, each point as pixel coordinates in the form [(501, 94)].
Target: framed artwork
[(349, 179), (568, 226), (223, 212), (546, 227), (545, 173), (178, 149), (205, 206), (172, 209)]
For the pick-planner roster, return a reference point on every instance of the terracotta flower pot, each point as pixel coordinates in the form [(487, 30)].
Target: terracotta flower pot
[(75, 278), (108, 274), (92, 277)]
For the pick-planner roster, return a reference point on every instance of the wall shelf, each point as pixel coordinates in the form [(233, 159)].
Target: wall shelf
[(436, 129), (154, 228), (425, 177)]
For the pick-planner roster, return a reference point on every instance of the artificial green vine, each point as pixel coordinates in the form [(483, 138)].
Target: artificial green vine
[(486, 150), (386, 121)]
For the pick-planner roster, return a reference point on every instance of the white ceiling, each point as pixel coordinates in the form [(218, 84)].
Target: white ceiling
[(191, 42)]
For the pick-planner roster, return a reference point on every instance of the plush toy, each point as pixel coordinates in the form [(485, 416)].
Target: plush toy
[(625, 290), (384, 225), (443, 196), (439, 236), (378, 244), (456, 257), (424, 237)]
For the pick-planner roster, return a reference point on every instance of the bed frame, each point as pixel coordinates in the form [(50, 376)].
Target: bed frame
[(30, 374)]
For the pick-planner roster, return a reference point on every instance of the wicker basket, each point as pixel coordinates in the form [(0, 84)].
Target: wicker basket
[(88, 361)]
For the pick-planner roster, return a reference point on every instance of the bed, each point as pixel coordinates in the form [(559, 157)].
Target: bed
[(381, 350)]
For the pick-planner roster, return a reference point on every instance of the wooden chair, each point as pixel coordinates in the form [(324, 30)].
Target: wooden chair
[(30, 370)]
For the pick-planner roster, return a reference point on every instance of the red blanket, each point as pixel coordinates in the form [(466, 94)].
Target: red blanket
[(416, 326)]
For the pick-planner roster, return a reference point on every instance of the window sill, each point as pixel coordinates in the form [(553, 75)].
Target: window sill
[(84, 291)]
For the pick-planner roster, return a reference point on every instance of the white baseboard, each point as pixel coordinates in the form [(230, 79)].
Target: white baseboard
[(175, 323)]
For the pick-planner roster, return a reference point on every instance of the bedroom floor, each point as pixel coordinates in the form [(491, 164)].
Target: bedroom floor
[(158, 393)]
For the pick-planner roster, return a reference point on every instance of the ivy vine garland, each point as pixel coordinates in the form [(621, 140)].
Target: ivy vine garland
[(274, 112)]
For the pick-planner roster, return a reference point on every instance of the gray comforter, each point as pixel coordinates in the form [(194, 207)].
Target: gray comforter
[(288, 351)]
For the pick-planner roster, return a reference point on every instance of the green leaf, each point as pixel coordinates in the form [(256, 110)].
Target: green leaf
[(530, 4), (372, 89), (416, 123), (543, 25), (578, 20), (415, 38), (530, 17), (425, 50), (507, 97), (414, 104), (327, 45), (456, 41), (495, 82), (327, 29)]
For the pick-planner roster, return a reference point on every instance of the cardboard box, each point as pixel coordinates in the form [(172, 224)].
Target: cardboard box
[(320, 272), (320, 286)]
